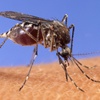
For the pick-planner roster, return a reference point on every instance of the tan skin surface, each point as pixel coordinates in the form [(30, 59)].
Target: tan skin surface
[(47, 82)]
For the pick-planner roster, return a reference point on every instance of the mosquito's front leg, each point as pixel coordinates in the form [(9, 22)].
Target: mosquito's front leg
[(63, 65), (73, 29)]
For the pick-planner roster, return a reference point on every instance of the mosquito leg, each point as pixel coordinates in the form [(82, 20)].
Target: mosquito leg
[(36, 44), (31, 64), (31, 59), (35, 39), (66, 73), (5, 35), (63, 65), (3, 42), (73, 29), (52, 41), (75, 83), (84, 72), (83, 65), (64, 20)]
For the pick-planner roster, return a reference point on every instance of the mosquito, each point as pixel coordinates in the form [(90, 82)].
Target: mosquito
[(53, 34)]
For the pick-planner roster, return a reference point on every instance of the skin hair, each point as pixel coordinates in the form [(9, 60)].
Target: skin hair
[(47, 82)]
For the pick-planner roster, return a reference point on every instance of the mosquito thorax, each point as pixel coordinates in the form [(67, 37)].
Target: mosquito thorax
[(62, 31)]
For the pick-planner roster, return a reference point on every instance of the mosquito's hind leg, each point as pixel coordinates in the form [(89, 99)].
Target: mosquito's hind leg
[(35, 53), (1, 36), (5, 35)]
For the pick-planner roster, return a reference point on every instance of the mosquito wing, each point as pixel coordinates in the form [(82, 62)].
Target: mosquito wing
[(22, 17)]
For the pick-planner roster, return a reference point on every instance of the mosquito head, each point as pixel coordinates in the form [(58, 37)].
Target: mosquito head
[(66, 52)]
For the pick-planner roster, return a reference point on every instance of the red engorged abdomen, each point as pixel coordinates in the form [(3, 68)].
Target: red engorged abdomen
[(25, 40)]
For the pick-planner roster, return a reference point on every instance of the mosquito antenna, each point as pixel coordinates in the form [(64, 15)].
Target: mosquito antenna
[(86, 54)]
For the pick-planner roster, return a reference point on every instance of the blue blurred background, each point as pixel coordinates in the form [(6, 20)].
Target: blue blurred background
[(84, 14)]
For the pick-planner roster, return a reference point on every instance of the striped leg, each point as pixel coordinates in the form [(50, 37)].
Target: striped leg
[(5, 35), (75, 84), (84, 65), (64, 66), (77, 64), (3, 42), (31, 64), (35, 53)]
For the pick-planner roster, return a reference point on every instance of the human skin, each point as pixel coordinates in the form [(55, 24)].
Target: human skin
[(47, 82)]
